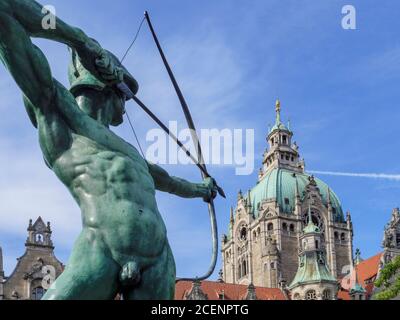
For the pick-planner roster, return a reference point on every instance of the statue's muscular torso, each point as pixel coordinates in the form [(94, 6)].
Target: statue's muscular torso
[(113, 187)]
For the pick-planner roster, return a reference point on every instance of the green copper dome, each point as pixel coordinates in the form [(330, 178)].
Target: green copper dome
[(311, 270), (280, 184), (279, 126)]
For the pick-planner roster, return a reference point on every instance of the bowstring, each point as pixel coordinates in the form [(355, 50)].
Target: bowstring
[(126, 111)]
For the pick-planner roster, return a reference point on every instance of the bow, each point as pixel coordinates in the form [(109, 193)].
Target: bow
[(199, 161)]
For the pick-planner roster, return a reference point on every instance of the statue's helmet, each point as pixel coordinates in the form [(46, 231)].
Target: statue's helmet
[(79, 77)]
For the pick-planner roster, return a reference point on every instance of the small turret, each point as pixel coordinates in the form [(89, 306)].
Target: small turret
[(313, 280), (357, 292), (39, 234)]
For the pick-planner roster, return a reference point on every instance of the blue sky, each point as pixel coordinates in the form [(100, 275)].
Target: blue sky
[(233, 59)]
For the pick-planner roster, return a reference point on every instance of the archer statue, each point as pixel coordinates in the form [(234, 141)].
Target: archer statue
[(123, 246)]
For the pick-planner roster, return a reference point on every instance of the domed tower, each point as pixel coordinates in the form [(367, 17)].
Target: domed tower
[(277, 208)]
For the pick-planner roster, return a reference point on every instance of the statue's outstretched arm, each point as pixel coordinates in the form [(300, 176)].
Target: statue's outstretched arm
[(180, 187), (29, 14)]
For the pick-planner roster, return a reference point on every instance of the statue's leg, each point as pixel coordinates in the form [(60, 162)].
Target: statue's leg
[(157, 282), (91, 273)]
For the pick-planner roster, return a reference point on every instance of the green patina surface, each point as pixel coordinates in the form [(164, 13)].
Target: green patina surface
[(311, 270), (280, 184), (123, 246)]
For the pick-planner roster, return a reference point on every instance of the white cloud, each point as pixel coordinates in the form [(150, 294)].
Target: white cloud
[(395, 177)]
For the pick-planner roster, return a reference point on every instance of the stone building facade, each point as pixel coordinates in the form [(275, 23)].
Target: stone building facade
[(35, 270), (391, 238), (263, 242)]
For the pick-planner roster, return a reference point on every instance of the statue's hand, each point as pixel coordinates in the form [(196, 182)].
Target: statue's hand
[(209, 187)]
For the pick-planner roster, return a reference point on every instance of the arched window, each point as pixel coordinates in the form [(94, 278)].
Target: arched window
[(270, 226), (291, 228), (326, 295), (272, 265), (284, 226), (38, 293), (296, 296), (243, 233), (39, 238), (316, 244), (336, 235), (342, 236), (311, 295)]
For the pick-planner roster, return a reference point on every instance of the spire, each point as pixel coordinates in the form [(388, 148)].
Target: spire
[(1, 264), (357, 258), (278, 111), (297, 194), (357, 288), (248, 200), (311, 227), (329, 197)]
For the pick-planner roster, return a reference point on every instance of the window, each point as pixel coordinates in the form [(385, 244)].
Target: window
[(270, 228), (291, 228), (284, 138), (243, 234), (292, 159), (311, 295), (326, 295), (284, 226), (39, 238), (296, 296), (343, 237), (287, 202), (334, 210), (336, 235), (282, 156), (38, 293), (244, 268), (398, 239), (287, 157), (272, 265), (316, 244)]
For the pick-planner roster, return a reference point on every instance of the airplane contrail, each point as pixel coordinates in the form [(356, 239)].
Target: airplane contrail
[(395, 177)]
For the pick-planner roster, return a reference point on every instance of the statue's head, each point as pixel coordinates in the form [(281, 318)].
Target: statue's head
[(85, 84)]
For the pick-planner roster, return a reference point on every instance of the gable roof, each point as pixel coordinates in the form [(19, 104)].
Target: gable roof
[(367, 270), (231, 291)]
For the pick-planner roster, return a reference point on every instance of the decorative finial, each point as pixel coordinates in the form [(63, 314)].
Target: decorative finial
[(231, 218), (278, 105), (278, 111), (357, 258), (220, 276), (310, 222)]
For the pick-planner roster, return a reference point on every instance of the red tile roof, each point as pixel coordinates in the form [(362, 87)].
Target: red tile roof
[(367, 271), (231, 291)]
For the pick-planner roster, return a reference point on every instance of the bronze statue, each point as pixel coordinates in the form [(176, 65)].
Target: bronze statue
[(123, 247)]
